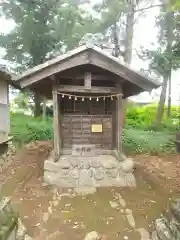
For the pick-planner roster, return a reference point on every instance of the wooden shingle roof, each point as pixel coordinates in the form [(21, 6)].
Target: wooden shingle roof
[(86, 55)]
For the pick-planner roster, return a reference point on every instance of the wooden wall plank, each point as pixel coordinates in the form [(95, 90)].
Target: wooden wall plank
[(82, 89), (82, 134), (119, 123), (87, 80), (56, 125)]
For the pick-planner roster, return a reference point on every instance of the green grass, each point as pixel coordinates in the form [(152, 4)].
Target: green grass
[(25, 129), (142, 117), (141, 141)]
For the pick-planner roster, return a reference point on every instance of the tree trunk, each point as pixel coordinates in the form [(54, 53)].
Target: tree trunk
[(44, 108), (169, 97), (116, 41), (129, 32), (170, 35), (162, 100), (37, 104)]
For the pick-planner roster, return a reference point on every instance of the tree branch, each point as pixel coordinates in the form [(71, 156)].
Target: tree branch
[(149, 7)]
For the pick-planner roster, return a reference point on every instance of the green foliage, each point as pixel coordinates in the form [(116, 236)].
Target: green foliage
[(43, 29), (143, 118), (25, 129), (175, 4), (140, 141)]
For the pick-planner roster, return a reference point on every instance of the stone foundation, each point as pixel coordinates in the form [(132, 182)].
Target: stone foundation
[(95, 171)]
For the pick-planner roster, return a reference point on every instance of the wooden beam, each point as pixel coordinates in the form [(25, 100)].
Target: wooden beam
[(94, 77), (56, 125), (122, 71), (81, 89), (53, 69), (119, 123), (87, 80)]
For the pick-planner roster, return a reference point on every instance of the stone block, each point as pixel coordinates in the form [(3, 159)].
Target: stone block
[(74, 173), (120, 182), (63, 173), (84, 163), (67, 182), (88, 150), (64, 163), (122, 157), (84, 179), (127, 165), (112, 172), (74, 161), (121, 173), (99, 174), (92, 236), (94, 162), (130, 180), (51, 166), (105, 182), (83, 150), (50, 177), (90, 172), (108, 161)]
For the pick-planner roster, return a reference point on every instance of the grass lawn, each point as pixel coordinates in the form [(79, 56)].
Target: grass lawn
[(25, 129)]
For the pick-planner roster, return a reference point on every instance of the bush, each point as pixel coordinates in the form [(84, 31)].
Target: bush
[(140, 141), (143, 118), (25, 129)]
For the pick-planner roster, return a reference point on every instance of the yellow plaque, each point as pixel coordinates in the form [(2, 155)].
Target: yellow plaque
[(96, 128)]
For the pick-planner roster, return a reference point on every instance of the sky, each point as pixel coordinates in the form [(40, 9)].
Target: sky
[(145, 35)]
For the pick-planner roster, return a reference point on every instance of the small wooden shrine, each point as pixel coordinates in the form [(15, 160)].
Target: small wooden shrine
[(5, 81), (4, 107), (88, 87)]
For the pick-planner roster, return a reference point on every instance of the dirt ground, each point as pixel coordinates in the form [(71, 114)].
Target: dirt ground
[(51, 213)]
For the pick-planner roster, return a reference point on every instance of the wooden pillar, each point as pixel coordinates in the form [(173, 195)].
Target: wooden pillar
[(119, 123), (56, 125), (87, 80)]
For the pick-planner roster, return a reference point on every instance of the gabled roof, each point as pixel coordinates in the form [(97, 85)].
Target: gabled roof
[(81, 56), (5, 76)]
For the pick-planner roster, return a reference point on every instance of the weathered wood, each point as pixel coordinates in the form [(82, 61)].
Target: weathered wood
[(94, 77), (114, 122), (85, 56), (53, 69), (119, 124), (82, 89), (4, 110), (78, 130), (121, 70), (87, 80), (56, 125)]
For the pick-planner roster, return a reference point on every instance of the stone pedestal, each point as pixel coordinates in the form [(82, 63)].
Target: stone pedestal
[(8, 220), (89, 171)]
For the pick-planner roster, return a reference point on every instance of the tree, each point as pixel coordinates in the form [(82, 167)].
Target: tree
[(166, 37), (118, 19), (23, 101), (111, 13), (43, 29), (175, 5), (162, 59), (169, 22)]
